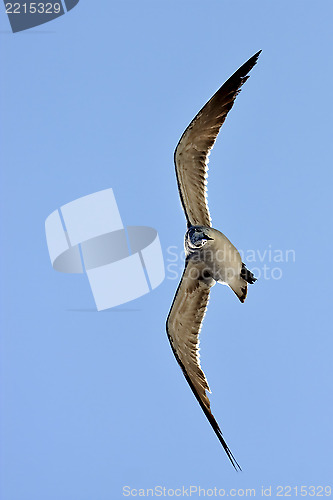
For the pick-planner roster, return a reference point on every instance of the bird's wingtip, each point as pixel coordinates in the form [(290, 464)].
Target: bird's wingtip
[(255, 57)]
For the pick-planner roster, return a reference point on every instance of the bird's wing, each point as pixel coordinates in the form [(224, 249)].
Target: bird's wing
[(192, 151), (183, 327)]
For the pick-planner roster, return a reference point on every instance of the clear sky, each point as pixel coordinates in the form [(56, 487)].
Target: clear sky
[(92, 402)]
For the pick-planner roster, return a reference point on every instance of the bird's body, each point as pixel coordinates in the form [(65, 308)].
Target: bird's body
[(223, 262), (210, 256)]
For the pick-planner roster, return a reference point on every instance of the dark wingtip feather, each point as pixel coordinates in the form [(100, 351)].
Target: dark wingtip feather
[(242, 72), (252, 61)]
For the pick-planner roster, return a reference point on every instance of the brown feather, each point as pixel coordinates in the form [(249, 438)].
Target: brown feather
[(192, 151), (183, 328)]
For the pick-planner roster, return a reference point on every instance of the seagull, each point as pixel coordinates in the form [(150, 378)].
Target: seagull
[(210, 256)]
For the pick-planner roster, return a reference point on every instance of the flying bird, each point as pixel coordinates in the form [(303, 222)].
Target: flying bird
[(210, 256)]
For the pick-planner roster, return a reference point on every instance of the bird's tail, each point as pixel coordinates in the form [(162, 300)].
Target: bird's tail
[(247, 275), (239, 284)]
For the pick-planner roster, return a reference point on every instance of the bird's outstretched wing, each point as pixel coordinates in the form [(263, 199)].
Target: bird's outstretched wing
[(192, 151), (183, 327)]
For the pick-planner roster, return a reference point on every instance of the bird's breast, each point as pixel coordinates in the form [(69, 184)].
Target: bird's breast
[(221, 258)]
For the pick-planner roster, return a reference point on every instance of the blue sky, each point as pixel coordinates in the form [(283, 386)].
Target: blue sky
[(98, 98)]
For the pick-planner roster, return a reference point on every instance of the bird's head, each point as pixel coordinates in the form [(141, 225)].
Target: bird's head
[(196, 237)]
